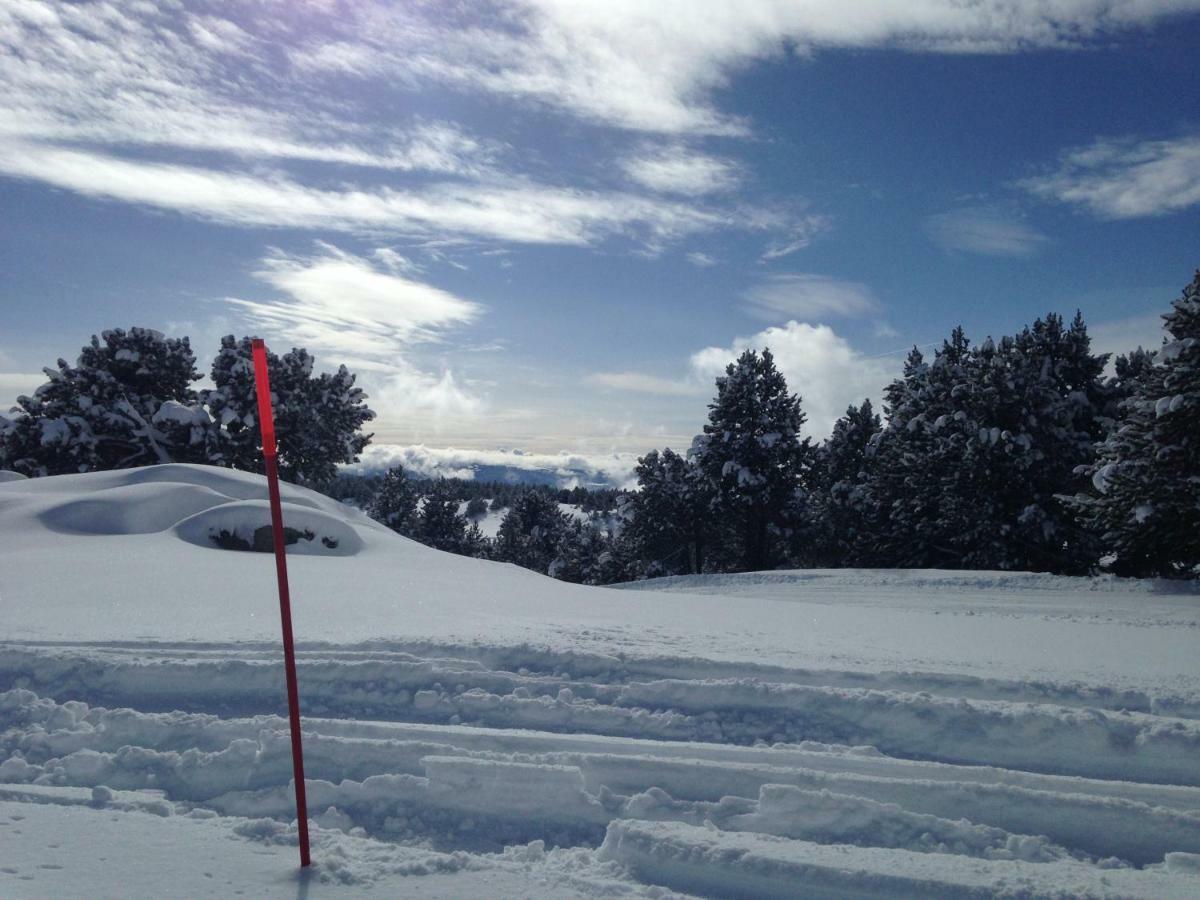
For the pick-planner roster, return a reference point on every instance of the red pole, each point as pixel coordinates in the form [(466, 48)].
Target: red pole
[(266, 422)]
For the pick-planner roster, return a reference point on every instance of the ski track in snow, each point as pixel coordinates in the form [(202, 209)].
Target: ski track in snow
[(492, 766), (420, 745)]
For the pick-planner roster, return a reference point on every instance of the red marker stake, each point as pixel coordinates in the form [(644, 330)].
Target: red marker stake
[(267, 423)]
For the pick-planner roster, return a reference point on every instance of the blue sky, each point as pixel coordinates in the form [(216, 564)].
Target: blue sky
[(549, 225)]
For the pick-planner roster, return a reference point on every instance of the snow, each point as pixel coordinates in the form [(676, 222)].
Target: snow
[(179, 413), (489, 523), (709, 862), (474, 729)]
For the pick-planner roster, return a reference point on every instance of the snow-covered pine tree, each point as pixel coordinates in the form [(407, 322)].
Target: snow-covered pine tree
[(1048, 432), (395, 503), (839, 470), (753, 458), (128, 401), (670, 518), (1130, 369), (530, 532), (439, 524), (1146, 500), (620, 560), (475, 543), (318, 419), (580, 551), (977, 447), (900, 499)]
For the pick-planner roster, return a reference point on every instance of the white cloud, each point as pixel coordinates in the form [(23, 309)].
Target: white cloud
[(515, 211), (346, 294), (101, 99), (653, 66), (800, 233), (641, 383), (396, 262), (1126, 179), (83, 83), (988, 230), (678, 170), (806, 296), (341, 306), (818, 364), (565, 469), (150, 76), (701, 260), (406, 391)]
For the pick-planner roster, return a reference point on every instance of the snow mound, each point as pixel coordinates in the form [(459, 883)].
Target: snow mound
[(230, 482), (132, 509), (6, 475), (246, 525)]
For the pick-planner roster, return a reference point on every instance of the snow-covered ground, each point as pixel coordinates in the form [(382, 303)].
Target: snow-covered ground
[(474, 729)]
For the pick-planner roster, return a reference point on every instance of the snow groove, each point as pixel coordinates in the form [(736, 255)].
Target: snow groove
[(761, 764), (566, 694)]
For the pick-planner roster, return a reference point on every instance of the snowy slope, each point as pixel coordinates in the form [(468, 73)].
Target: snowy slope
[(474, 729)]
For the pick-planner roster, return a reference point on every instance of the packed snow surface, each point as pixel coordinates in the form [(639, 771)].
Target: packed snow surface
[(474, 729)]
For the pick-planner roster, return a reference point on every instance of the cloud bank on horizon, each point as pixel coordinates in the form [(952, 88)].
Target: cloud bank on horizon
[(555, 222)]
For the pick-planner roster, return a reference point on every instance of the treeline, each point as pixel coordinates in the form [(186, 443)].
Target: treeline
[(1016, 454), (496, 495), (1009, 454), (534, 532)]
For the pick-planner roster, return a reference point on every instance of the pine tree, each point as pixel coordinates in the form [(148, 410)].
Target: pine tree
[(579, 554), (475, 543), (440, 525), (620, 560), (395, 503), (1131, 369), (670, 514), (839, 473), (978, 446), (753, 458), (1146, 500), (318, 419), (128, 401), (476, 509), (530, 532)]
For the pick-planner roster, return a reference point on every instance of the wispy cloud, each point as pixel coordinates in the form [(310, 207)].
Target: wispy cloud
[(345, 309), (230, 114), (987, 230), (701, 260), (335, 296), (512, 211), (679, 170), (809, 297), (820, 365), (653, 66), (1126, 179), (799, 234), (642, 383), (152, 76)]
